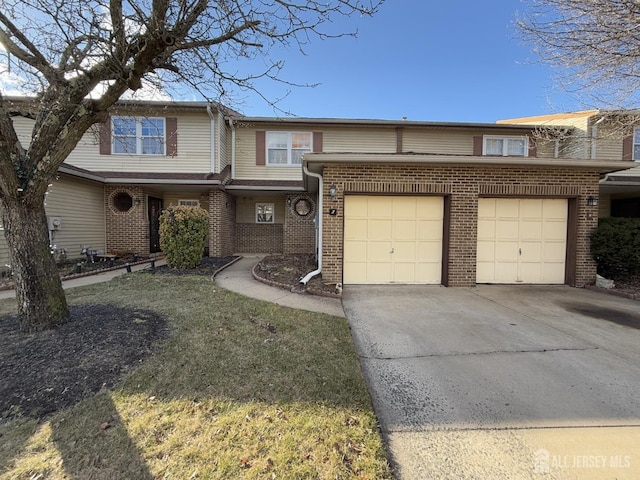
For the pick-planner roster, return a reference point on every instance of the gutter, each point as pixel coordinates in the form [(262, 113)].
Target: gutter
[(233, 148), (310, 275), (212, 135)]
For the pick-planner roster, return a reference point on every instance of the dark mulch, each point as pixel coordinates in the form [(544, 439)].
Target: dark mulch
[(207, 266), (287, 270), (46, 371)]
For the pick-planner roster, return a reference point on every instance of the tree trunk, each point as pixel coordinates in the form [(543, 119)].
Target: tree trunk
[(41, 300)]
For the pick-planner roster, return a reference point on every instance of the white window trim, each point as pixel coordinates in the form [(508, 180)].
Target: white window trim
[(273, 214), (188, 202), (289, 148), (636, 141), (139, 137), (506, 137)]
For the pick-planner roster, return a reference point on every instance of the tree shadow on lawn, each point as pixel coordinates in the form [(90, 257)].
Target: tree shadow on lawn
[(45, 372), (225, 349)]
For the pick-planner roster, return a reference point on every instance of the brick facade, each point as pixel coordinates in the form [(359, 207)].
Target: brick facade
[(259, 238), (129, 230), (462, 186), (299, 231), (222, 218)]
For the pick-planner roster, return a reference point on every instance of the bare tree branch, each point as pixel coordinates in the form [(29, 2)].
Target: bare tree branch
[(595, 44)]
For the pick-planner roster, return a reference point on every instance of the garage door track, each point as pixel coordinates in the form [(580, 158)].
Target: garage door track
[(502, 381)]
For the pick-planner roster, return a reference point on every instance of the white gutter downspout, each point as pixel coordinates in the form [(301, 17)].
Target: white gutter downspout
[(212, 135), (233, 148), (594, 138), (310, 275)]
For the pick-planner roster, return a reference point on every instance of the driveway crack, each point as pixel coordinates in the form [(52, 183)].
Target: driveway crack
[(469, 354)]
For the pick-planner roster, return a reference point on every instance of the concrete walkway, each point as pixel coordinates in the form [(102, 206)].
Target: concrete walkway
[(238, 278), (91, 279)]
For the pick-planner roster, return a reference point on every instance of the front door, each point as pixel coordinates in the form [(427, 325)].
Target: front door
[(154, 209)]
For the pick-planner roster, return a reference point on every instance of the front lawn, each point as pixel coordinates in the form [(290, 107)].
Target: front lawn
[(233, 388)]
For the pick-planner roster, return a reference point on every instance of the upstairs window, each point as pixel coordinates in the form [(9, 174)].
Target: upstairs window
[(287, 148), (636, 145), (138, 136), (505, 146)]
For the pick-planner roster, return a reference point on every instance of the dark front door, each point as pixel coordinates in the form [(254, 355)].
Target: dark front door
[(155, 209)]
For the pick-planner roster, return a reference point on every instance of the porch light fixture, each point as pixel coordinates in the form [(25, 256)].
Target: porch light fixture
[(138, 200), (592, 201), (332, 191)]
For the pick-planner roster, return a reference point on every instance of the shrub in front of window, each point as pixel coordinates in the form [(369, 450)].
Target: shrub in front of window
[(615, 246), (183, 231)]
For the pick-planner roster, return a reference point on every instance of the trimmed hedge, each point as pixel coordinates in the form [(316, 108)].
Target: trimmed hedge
[(615, 246), (183, 231)]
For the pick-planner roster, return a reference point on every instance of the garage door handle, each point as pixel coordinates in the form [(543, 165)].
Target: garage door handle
[(391, 250), (519, 251)]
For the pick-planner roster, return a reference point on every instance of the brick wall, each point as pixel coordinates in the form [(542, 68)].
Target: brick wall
[(126, 230), (299, 231), (463, 185), (222, 217), (258, 238)]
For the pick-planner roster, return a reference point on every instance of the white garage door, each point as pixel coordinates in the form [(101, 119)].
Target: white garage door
[(521, 240), (392, 239)]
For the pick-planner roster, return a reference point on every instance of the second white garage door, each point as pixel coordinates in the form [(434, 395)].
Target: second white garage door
[(392, 239), (521, 240)]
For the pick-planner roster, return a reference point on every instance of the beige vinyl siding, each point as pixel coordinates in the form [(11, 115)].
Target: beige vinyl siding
[(246, 208), (359, 140), (173, 198), (604, 206), (632, 172), (609, 142), (194, 147), (246, 168), (437, 142), (80, 205), (222, 142), (578, 145)]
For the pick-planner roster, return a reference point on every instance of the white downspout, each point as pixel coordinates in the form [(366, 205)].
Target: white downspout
[(212, 134), (233, 148), (310, 275), (594, 138)]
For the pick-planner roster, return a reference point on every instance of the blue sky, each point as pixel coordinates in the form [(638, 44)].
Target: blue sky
[(457, 60)]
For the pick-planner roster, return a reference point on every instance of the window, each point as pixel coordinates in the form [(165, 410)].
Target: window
[(287, 148), (138, 135), (636, 144), (189, 203), (506, 146), (264, 213)]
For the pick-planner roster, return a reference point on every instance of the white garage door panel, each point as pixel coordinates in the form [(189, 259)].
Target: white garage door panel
[(391, 239), (521, 240)]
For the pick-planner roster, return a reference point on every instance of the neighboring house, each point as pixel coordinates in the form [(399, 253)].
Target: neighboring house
[(602, 134), (380, 201)]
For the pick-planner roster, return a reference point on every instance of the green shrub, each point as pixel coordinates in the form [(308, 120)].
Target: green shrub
[(615, 245), (183, 231)]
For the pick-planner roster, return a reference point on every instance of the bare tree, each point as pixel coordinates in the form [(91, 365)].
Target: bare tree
[(80, 56), (595, 44)]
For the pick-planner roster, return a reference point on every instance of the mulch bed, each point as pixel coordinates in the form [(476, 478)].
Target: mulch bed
[(285, 271), (54, 369), (44, 372)]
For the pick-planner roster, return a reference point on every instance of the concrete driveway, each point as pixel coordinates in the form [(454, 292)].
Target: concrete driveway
[(502, 381)]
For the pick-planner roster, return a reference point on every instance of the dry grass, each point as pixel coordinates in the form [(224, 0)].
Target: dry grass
[(242, 389)]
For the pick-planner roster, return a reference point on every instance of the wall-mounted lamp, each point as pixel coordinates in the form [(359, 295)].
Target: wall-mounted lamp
[(288, 201), (332, 191), (138, 200), (592, 201)]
